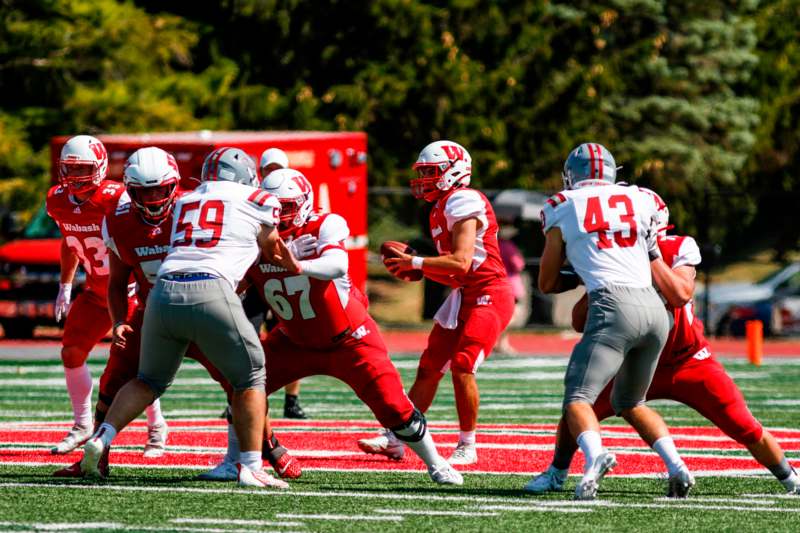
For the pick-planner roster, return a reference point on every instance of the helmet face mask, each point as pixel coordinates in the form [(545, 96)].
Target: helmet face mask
[(294, 192), (153, 203), (83, 164), (151, 178), (441, 166)]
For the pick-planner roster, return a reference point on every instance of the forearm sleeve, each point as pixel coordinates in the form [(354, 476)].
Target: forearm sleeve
[(331, 264)]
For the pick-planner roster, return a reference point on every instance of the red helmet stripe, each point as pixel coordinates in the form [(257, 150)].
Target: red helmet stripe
[(215, 162), (599, 161)]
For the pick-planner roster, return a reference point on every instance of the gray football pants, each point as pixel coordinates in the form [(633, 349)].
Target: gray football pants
[(626, 329), (209, 314)]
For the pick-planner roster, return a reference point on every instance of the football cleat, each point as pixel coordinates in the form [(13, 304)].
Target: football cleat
[(156, 441), (258, 478), (294, 411), (680, 483), (444, 474), (74, 470), (587, 487), (551, 480), (286, 466), (464, 454), (224, 471), (384, 444), (75, 438), (93, 452)]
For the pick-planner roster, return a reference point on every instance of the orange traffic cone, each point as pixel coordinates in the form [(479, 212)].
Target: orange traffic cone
[(755, 341)]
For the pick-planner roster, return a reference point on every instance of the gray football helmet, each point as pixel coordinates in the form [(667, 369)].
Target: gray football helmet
[(589, 161), (229, 164)]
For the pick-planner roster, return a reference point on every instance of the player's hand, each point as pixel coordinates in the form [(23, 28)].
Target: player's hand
[(63, 300), (399, 264), (283, 257), (653, 250), (119, 334), (303, 246)]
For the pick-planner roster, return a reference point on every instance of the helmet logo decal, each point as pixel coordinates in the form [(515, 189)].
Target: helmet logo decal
[(453, 152), (98, 149)]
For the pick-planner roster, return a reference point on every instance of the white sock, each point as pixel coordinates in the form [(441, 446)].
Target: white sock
[(154, 416), (792, 482), (425, 448), (79, 387), (665, 448), (106, 433), (232, 455), (466, 437), (591, 446), (251, 460)]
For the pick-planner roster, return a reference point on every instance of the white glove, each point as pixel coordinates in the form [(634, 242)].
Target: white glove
[(303, 246), (653, 251), (63, 300)]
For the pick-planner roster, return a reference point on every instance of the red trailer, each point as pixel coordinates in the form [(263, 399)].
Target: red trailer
[(334, 162)]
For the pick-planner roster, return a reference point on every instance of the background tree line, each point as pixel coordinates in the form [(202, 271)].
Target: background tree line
[(698, 100)]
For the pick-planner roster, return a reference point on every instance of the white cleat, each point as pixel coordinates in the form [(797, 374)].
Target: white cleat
[(587, 487), (551, 480), (385, 444), (444, 474), (156, 441), (74, 438), (92, 452), (224, 471), (258, 478), (464, 454), (680, 483)]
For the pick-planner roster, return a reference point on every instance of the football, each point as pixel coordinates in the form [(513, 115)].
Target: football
[(390, 249)]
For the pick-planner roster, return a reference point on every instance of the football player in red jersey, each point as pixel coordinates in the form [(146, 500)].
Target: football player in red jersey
[(323, 324), (78, 205), (479, 308), (687, 371)]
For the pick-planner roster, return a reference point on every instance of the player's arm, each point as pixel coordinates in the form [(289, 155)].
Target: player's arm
[(118, 275), (579, 313), (69, 262), (274, 250), (675, 284), (553, 277), (457, 262)]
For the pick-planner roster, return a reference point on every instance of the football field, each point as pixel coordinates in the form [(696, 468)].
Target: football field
[(344, 490)]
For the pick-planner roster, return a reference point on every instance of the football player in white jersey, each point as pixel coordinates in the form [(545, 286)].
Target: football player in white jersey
[(608, 234), (219, 230)]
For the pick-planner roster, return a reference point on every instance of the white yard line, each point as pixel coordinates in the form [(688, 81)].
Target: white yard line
[(599, 504), (704, 499), (428, 512), (344, 517), (234, 522)]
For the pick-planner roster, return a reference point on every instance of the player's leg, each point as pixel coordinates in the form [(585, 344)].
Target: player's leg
[(365, 366), (595, 361), (223, 333), (633, 381), (482, 325), (433, 364), (86, 324), (555, 476), (163, 345), (705, 386)]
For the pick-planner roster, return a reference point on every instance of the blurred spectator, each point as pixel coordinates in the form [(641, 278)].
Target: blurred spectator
[(515, 265)]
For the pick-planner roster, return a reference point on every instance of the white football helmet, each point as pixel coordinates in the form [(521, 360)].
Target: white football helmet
[(440, 166), (151, 178), (662, 211), (272, 159), (83, 163), (294, 192)]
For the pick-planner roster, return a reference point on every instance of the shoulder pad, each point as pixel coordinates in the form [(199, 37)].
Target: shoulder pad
[(556, 200)]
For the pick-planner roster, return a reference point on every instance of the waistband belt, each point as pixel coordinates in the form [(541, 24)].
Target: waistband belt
[(189, 276)]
